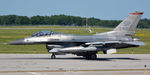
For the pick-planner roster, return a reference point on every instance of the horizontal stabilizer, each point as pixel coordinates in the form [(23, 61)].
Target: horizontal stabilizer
[(139, 43)]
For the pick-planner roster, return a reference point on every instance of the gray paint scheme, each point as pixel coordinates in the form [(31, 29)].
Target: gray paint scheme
[(88, 46)]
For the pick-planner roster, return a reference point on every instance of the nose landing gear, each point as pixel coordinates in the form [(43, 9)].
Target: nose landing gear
[(53, 56)]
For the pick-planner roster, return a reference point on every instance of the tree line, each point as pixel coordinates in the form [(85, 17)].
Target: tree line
[(63, 20)]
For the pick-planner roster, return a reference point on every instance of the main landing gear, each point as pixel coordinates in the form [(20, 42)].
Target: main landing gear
[(53, 56), (91, 56)]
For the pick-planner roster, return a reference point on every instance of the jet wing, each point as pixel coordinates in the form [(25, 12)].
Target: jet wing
[(116, 42), (103, 43)]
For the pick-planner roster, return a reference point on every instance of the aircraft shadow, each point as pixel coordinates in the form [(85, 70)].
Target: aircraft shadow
[(99, 59), (80, 58)]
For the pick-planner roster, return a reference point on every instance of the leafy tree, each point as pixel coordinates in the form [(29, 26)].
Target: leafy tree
[(37, 20), (22, 20), (63, 20)]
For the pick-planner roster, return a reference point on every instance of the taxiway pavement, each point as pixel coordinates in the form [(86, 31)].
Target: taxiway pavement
[(41, 64)]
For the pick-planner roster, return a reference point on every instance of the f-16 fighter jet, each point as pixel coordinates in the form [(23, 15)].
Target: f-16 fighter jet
[(88, 45)]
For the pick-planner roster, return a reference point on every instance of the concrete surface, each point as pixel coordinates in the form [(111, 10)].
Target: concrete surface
[(41, 64)]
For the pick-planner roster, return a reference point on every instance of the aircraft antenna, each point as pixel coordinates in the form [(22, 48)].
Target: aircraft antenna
[(88, 27)]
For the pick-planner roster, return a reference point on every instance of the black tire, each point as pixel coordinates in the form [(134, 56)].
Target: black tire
[(87, 57), (92, 56)]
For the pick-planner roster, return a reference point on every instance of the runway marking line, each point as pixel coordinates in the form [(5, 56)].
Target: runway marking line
[(34, 71)]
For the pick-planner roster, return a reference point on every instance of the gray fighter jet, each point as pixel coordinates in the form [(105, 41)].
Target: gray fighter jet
[(85, 45)]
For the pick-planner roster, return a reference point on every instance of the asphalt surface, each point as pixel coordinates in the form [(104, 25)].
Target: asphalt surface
[(41, 64), (47, 28)]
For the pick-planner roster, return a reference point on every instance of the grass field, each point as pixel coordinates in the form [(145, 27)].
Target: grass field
[(11, 33)]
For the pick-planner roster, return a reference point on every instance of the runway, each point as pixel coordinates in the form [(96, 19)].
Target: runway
[(41, 64)]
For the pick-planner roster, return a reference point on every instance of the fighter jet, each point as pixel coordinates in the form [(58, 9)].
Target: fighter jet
[(88, 45)]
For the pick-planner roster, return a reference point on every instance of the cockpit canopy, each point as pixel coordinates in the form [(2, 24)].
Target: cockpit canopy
[(45, 33)]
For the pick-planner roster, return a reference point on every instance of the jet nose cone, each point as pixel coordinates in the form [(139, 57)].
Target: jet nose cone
[(17, 42)]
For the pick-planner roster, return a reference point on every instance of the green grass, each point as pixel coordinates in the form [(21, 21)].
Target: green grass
[(7, 35)]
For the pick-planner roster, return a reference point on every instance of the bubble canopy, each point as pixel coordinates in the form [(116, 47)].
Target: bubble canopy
[(45, 33)]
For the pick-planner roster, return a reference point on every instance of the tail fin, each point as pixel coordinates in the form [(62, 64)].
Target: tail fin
[(129, 24)]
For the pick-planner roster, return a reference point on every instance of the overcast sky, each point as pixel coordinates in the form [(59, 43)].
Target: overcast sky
[(102, 9)]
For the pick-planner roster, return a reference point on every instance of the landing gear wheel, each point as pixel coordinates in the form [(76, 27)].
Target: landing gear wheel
[(87, 56), (53, 56), (92, 56)]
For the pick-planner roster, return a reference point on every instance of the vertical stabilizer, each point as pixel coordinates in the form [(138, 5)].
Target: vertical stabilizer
[(129, 25)]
